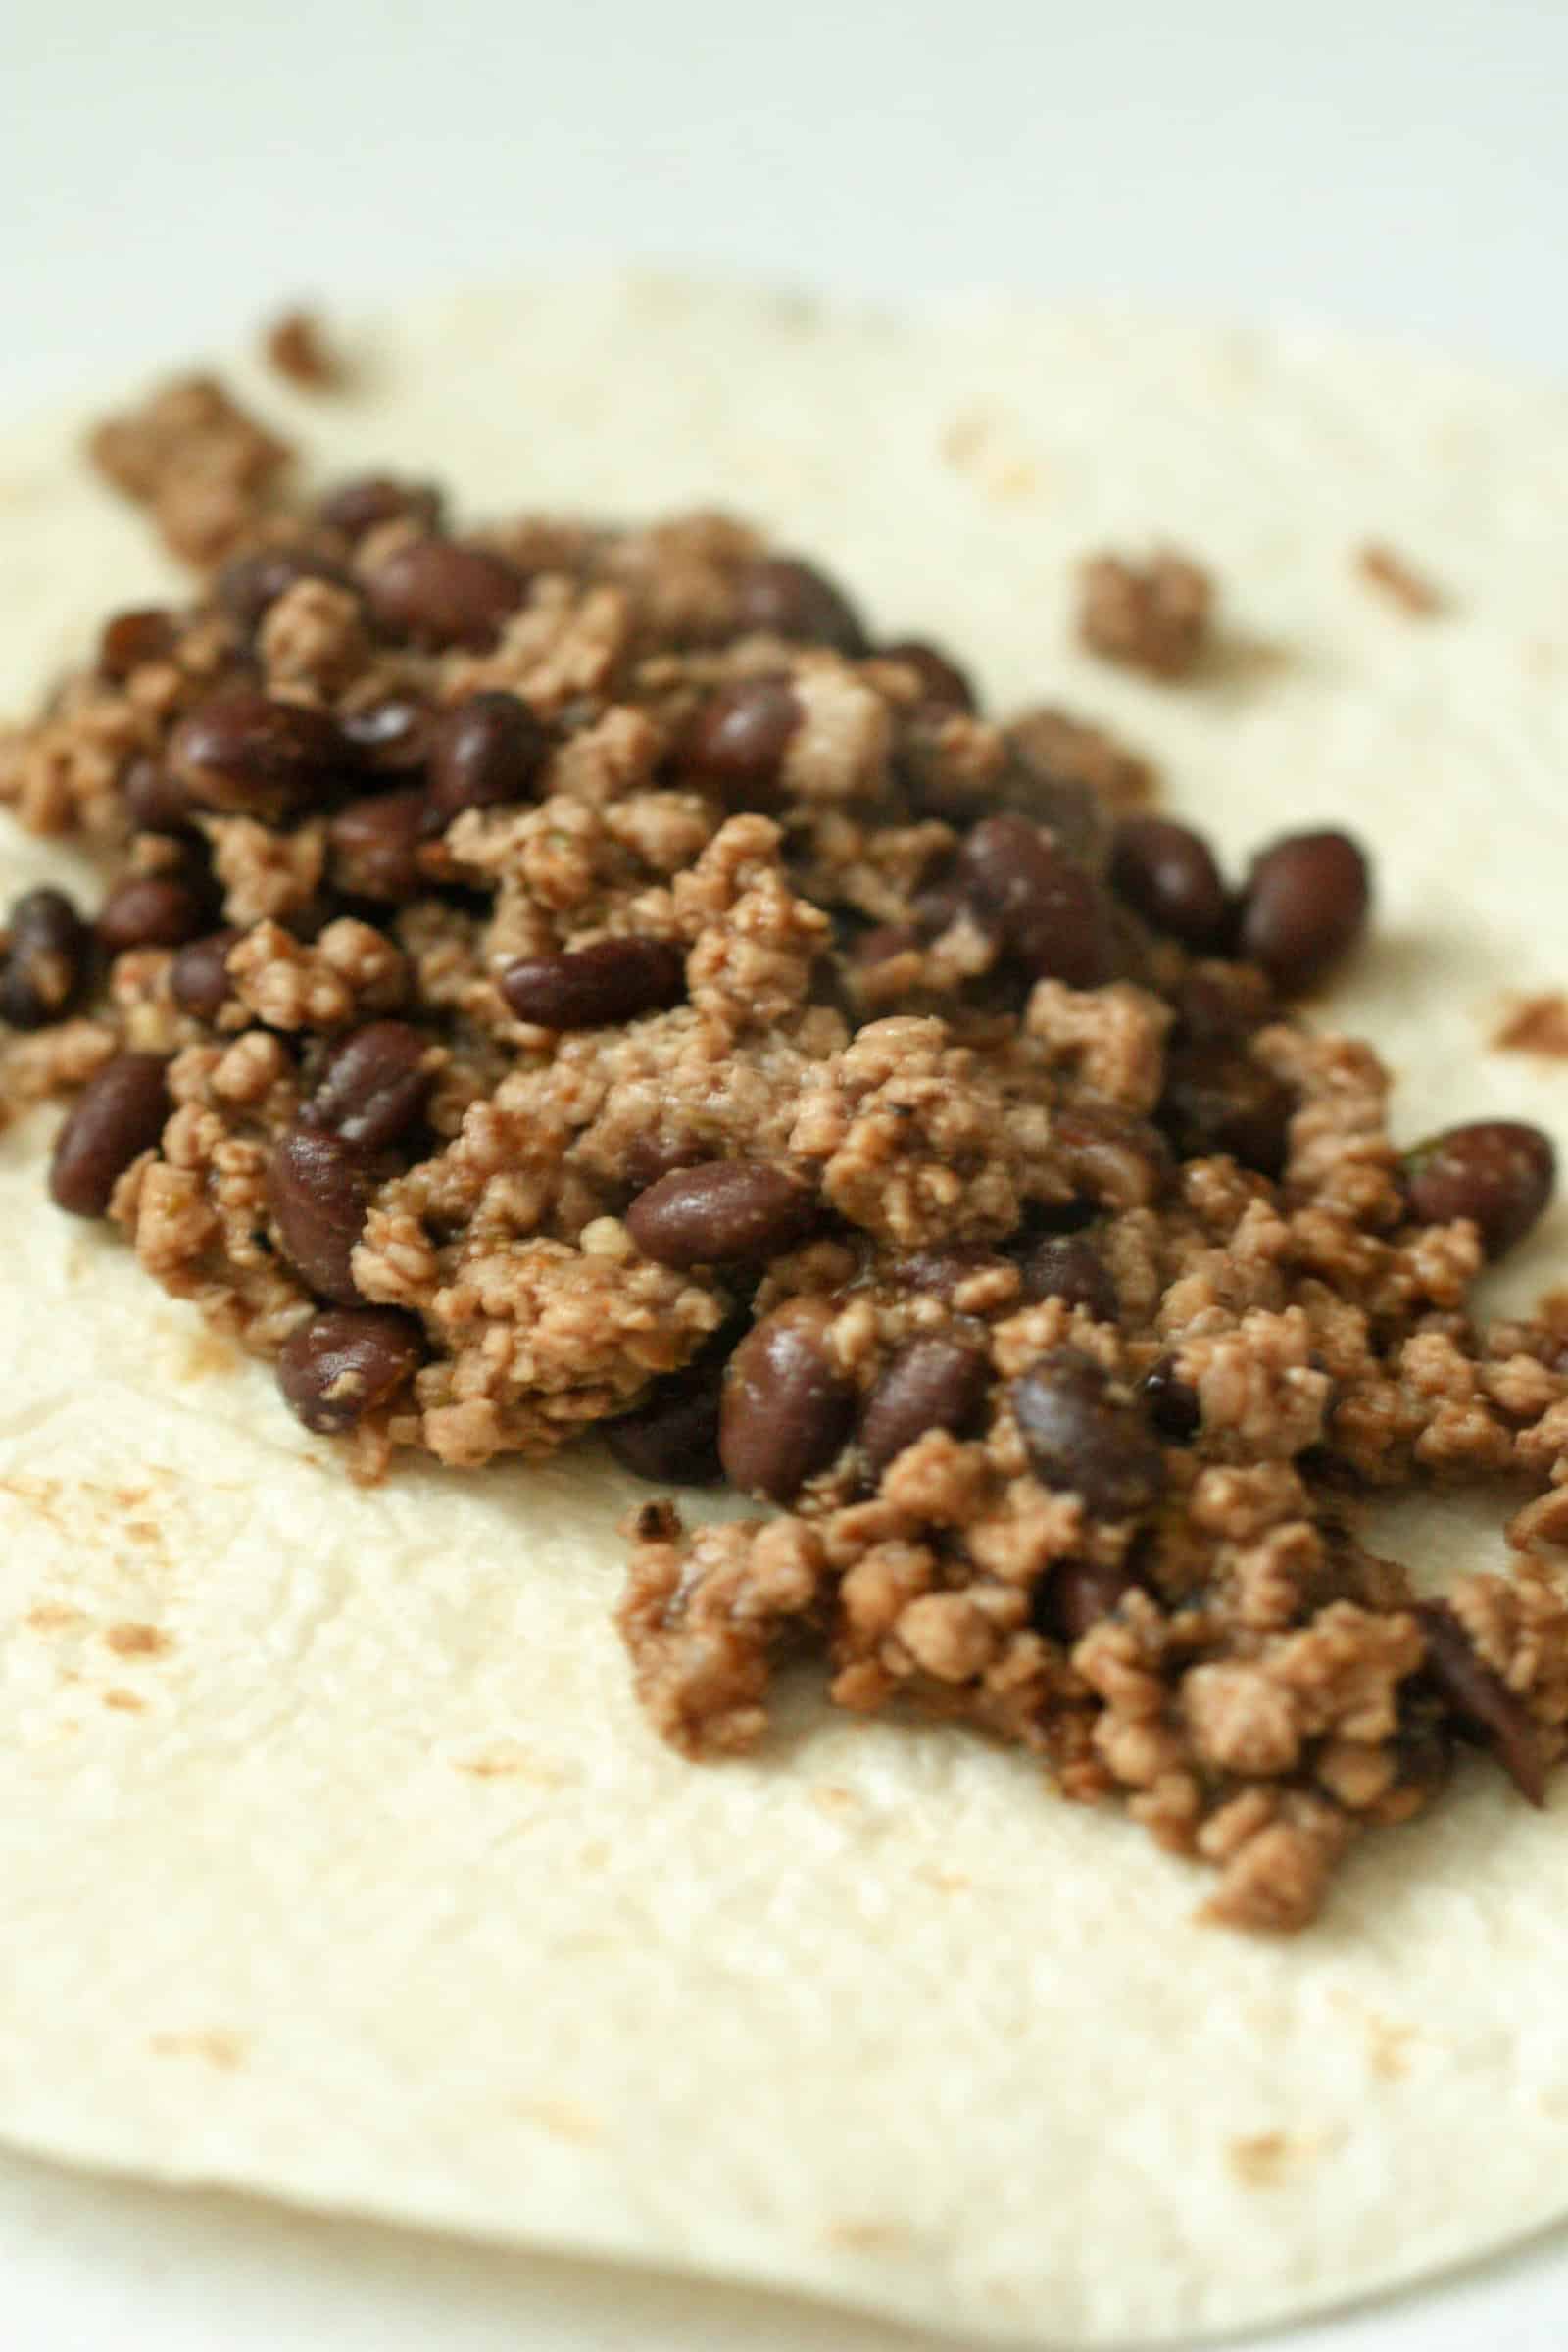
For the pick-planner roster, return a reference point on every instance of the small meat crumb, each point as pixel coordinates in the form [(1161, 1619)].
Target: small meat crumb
[(297, 346), (1399, 580), (1154, 617)]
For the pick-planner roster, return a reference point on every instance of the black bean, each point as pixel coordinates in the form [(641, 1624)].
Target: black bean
[(1166, 873), (440, 594), (252, 752), (151, 910), (393, 736), (1171, 1402), (881, 943), (1499, 1173), (587, 987), (248, 586), (374, 1086), (786, 1407), (1078, 1437), (1051, 909), (46, 960), (929, 1383), (1220, 1003), (487, 750), (672, 1436), (942, 682), (154, 801), (318, 1188), (198, 978), (374, 844), (649, 1156), (1482, 1705), (938, 1273), (346, 1364), (721, 1213), (1112, 1160), (736, 743), (119, 1115), (360, 506), (1068, 1266), (1217, 1101), (129, 640), (1078, 1594), (791, 598), (1305, 904)]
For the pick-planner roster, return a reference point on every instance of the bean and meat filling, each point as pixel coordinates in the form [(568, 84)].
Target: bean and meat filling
[(560, 979)]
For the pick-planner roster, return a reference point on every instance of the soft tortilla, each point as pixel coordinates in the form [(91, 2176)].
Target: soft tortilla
[(358, 1880)]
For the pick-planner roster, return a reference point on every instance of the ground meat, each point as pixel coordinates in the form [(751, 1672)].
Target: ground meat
[(1057, 1317)]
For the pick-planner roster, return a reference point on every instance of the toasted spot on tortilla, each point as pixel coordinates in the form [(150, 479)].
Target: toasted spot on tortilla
[(946, 1882), (138, 1640), (868, 2237), (1383, 568), (214, 2047), (832, 1797), (206, 1354), (53, 1617), (988, 452), (1268, 2159), (563, 2118), (509, 1760), (125, 1702), (1536, 1025)]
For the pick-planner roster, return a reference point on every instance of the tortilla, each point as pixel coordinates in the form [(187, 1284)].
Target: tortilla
[(339, 1862)]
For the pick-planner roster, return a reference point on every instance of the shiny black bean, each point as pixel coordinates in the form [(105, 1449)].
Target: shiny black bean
[(487, 750), (939, 1272), (1217, 1101), (256, 754), (1080, 1439), (943, 683), (588, 988), (374, 844), (391, 737), (439, 593), (151, 910), (1067, 1266), (249, 586), (346, 1364), (721, 1213), (198, 978), (46, 960), (786, 1407), (791, 598), (119, 1115), (672, 1436), (1499, 1173), (360, 506), (374, 1086), (1113, 1159), (934, 1383), (1051, 911), (1480, 1702), (130, 640), (1166, 873), (1078, 1594), (1304, 906), (1171, 1402), (154, 801), (318, 1188), (736, 744)]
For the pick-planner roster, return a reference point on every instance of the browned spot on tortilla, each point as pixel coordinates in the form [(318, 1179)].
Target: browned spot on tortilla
[(1267, 2158), (946, 1882), (40, 1492), (563, 2118), (831, 1797), (988, 452), (866, 2238), (1388, 2048), (206, 1354), (125, 1702), (509, 1759), (131, 1498), (1536, 1025), (53, 1617), (1383, 568), (137, 1640), (215, 2048), (142, 1530)]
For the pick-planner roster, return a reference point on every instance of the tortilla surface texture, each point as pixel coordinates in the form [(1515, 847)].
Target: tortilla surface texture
[(338, 1861)]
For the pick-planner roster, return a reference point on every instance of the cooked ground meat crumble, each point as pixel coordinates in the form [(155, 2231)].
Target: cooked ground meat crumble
[(560, 978)]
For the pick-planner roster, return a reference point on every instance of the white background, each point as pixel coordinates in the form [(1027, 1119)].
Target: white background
[(169, 174)]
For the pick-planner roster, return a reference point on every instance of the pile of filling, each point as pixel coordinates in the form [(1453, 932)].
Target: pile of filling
[(558, 979)]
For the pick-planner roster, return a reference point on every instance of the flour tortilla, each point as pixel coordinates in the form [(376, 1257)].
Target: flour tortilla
[(361, 1881)]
